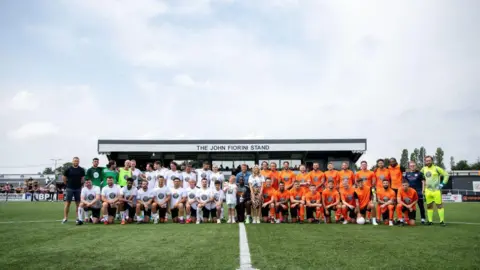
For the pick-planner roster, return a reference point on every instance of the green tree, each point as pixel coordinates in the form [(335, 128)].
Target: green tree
[(63, 168), (439, 158), (48, 170), (421, 156), (452, 163), (476, 165), (462, 165), (414, 156), (404, 159)]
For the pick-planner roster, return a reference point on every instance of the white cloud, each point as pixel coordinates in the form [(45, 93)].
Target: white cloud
[(34, 130), (24, 101)]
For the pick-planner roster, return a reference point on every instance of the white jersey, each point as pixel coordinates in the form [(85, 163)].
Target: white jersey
[(144, 195), (192, 196), (170, 175), (152, 179), (177, 195), (218, 196), (126, 193), (136, 176), (201, 173), (203, 195), (186, 177), (160, 194), (231, 193), (111, 192), (90, 194), (214, 177), (256, 180)]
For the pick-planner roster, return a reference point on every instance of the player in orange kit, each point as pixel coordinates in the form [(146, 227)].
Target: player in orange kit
[(313, 200), (347, 195), (287, 175), (386, 202), (282, 197), (332, 174), (367, 176), (331, 201), (317, 177), (304, 178), (265, 172), (381, 173), (364, 200), (396, 176), (346, 174), (268, 205), (407, 199), (297, 203), (274, 175)]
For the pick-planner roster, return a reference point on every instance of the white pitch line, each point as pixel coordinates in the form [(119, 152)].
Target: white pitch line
[(245, 259)]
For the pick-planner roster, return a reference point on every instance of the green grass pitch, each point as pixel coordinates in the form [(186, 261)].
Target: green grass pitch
[(32, 238)]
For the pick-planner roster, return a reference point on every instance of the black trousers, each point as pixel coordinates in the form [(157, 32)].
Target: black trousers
[(421, 206)]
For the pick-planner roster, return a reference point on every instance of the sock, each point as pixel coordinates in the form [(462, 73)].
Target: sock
[(441, 214), (105, 217), (143, 213), (122, 214), (80, 213), (85, 215), (221, 213), (338, 213), (374, 219), (181, 218), (188, 216), (369, 214), (430, 215), (139, 218), (272, 212)]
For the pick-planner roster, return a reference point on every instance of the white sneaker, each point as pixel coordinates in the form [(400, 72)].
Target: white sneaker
[(155, 221), (374, 223), (233, 221), (345, 222), (219, 221), (278, 221), (198, 221), (229, 221), (390, 223)]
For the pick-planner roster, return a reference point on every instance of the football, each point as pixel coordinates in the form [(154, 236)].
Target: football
[(360, 220)]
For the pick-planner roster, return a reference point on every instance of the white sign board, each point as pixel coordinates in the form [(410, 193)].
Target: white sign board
[(451, 198), (107, 148), (476, 186)]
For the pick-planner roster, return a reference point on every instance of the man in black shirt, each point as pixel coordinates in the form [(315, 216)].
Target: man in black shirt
[(73, 178)]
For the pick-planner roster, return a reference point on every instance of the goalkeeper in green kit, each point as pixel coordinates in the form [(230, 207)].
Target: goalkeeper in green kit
[(433, 189), (95, 173)]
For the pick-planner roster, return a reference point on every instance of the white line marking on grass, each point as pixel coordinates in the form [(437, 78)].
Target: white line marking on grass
[(466, 223), (29, 221), (245, 259)]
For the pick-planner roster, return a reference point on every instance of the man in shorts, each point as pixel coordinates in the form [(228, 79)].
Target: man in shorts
[(144, 203), (282, 197), (192, 202), (386, 201), (331, 201), (407, 199), (110, 198), (177, 201), (128, 201), (216, 206), (204, 197), (347, 195), (73, 178), (161, 198), (89, 201), (268, 205), (313, 200), (297, 202), (364, 200)]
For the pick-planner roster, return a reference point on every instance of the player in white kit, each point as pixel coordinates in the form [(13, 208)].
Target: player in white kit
[(204, 197), (128, 201), (136, 173), (90, 200), (216, 175), (172, 174), (161, 198), (192, 203), (110, 198), (187, 175), (230, 191), (177, 202), (144, 203), (216, 206), (203, 173), (151, 176)]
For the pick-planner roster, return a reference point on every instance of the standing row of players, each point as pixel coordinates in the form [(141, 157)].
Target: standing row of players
[(269, 197)]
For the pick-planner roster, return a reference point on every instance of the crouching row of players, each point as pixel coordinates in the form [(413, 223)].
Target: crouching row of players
[(145, 204), (352, 205)]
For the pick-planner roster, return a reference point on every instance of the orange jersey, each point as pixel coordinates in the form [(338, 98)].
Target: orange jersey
[(396, 176), (346, 175), (363, 195), (367, 177), (333, 175), (266, 173), (268, 194), (317, 178), (296, 194), (348, 195), (275, 176), (287, 176), (330, 197), (304, 179), (385, 195), (380, 175), (282, 197), (408, 196), (313, 197)]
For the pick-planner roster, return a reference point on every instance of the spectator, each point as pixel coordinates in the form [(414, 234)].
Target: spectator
[(51, 190)]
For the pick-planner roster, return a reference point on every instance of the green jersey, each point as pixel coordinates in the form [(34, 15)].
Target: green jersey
[(95, 174), (432, 176), (106, 173), (123, 175)]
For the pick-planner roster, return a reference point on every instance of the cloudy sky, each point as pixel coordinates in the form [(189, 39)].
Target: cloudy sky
[(401, 74)]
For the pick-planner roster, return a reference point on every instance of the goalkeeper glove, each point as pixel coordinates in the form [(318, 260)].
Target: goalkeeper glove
[(440, 186)]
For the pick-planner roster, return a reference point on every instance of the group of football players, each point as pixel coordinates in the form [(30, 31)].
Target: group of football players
[(264, 194)]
